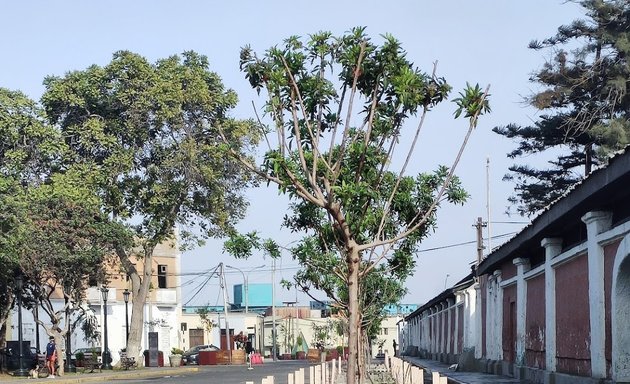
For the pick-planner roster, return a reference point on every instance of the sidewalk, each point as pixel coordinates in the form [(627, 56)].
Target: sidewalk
[(104, 376), (460, 377)]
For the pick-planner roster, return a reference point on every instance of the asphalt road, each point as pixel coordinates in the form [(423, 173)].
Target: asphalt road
[(231, 374)]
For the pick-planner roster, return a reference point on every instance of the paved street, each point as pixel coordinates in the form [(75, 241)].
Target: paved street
[(229, 374)]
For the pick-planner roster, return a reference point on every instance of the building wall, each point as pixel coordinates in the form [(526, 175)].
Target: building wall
[(535, 323), (572, 316), (610, 251), (509, 324)]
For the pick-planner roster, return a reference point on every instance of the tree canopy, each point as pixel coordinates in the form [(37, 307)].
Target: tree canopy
[(583, 101), (338, 110), (146, 138)]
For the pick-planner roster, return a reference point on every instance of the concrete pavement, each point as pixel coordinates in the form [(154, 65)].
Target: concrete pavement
[(455, 377)]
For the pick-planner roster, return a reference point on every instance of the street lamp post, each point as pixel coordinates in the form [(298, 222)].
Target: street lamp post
[(105, 355), (21, 371), (246, 282), (126, 297)]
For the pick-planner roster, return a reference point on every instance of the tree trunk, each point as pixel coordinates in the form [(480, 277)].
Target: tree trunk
[(140, 291), (354, 317)]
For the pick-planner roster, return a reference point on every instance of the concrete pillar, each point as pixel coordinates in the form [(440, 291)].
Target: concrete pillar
[(467, 320), (458, 307), (553, 247), (522, 266), (449, 325), (436, 329), (477, 329), (490, 320), (498, 317), (596, 223)]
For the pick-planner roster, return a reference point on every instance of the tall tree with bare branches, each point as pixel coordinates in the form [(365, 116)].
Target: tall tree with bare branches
[(339, 110)]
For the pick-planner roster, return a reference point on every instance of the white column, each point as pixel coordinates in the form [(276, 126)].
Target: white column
[(522, 266), (477, 329), (596, 223), (449, 324), (498, 333), (458, 299), (490, 320), (553, 247), (467, 320), (436, 329)]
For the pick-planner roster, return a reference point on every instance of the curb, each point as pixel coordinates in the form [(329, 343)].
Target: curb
[(121, 375)]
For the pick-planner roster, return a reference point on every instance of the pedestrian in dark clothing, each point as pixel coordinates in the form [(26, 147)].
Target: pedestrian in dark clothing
[(51, 356)]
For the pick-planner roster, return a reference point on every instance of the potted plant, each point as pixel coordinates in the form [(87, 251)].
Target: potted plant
[(300, 354), (175, 358), (80, 356)]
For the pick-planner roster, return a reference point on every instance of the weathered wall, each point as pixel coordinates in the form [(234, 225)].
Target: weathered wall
[(610, 251), (535, 323), (508, 271), (509, 323), (483, 288), (572, 317)]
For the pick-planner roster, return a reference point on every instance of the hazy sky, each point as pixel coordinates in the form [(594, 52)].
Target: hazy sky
[(481, 42)]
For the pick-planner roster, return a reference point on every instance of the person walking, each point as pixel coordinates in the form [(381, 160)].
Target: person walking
[(249, 350), (51, 356)]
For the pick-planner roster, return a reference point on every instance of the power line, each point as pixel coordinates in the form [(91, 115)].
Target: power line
[(464, 243), (202, 285)]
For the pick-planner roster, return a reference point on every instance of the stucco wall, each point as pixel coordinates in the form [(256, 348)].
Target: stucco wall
[(535, 323), (572, 317), (610, 250), (509, 323)]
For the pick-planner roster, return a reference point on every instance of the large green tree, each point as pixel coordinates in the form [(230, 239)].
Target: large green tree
[(147, 137), (28, 150), (53, 232), (584, 105), (338, 110)]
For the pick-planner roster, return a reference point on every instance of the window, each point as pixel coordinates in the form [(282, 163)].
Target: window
[(162, 276), (384, 331)]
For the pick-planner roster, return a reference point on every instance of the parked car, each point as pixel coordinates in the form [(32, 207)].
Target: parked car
[(191, 356)]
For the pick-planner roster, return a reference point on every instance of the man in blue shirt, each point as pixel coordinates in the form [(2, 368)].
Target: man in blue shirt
[(51, 356)]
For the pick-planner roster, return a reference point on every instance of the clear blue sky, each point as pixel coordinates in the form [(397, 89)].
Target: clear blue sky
[(477, 41)]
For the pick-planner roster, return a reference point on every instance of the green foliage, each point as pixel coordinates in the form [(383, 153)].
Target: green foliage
[(583, 101), (345, 198), (204, 315), (321, 335), (176, 351), (341, 107), (150, 133)]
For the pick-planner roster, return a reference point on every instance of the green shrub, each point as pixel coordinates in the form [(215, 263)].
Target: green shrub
[(177, 351)]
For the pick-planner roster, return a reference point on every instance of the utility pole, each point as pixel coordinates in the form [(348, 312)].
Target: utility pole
[(227, 326), (273, 310), (488, 203), (479, 225)]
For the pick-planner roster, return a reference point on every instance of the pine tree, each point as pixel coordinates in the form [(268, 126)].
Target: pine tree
[(584, 104)]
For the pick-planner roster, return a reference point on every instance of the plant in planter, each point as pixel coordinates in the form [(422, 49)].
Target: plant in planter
[(175, 358), (80, 357)]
